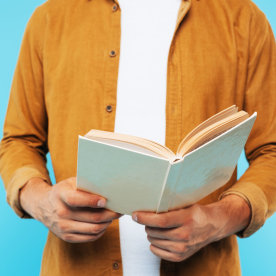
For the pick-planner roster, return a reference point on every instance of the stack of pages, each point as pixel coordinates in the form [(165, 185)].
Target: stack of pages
[(133, 173)]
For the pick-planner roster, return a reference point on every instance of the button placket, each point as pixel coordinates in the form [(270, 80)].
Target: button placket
[(112, 66)]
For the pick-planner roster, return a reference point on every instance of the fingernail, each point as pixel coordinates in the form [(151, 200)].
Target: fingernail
[(134, 217), (101, 203)]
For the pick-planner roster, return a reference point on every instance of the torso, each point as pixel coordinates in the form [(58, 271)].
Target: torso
[(146, 32)]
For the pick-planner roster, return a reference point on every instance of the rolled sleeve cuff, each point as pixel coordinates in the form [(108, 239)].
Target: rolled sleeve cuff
[(257, 202), (17, 182)]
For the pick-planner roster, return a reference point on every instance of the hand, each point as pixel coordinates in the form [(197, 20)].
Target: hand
[(72, 215), (176, 235)]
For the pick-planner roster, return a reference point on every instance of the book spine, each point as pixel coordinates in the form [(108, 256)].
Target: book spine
[(161, 199)]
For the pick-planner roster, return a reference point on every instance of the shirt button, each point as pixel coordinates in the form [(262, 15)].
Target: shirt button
[(115, 266), (112, 53), (115, 7), (108, 108)]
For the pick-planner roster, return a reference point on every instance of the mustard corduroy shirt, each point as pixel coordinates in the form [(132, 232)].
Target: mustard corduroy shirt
[(222, 53)]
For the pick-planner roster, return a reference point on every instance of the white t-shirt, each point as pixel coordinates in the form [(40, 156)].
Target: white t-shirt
[(147, 29)]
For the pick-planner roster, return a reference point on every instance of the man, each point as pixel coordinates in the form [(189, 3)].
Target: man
[(219, 53)]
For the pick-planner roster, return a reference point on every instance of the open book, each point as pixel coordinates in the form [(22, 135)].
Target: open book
[(138, 174)]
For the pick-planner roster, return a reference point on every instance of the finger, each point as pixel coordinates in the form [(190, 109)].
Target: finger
[(75, 198), (79, 238), (93, 215), (166, 255), (168, 245), (76, 227), (162, 220), (173, 234)]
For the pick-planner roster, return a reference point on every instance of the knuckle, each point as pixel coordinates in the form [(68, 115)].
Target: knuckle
[(196, 212), (180, 248), (189, 217), (177, 258), (62, 212), (163, 222), (186, 236), (97, 218), (62, 226), (68, 237), (90, 199), (190, 221), (196, 208), (178, 235), (99, 235), (183, 235), (97, 229), (92, 238), (70, 199), (152, 249)]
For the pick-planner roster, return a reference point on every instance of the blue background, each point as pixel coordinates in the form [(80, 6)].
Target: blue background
[(22, 241)]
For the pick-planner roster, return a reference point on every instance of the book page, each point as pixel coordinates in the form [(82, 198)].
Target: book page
[(211, 132), (215, 118), (138, 141), (125, 145)]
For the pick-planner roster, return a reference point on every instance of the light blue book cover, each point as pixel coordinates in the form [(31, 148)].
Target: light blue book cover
[(133, 180)]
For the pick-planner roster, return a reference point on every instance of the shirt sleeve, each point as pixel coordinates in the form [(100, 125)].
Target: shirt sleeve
[(258, 184), (24, 145)]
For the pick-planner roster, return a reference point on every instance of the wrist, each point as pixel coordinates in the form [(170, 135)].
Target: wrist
[(31, 194), (233, 213)]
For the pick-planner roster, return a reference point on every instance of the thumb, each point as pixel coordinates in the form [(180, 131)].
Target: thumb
[(78, 198)]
